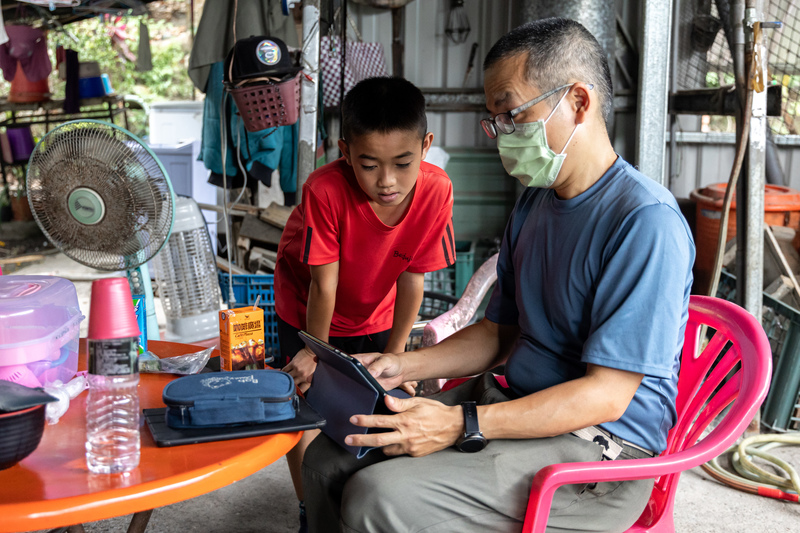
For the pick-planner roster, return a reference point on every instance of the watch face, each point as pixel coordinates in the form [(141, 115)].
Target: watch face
[(472, 444)]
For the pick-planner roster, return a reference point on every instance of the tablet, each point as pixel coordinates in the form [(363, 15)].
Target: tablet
[(335, 356), (342, 387), (307, 418)]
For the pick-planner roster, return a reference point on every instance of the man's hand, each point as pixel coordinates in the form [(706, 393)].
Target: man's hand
[(420, 427), (386, 367), (301, 368), (409, 387)]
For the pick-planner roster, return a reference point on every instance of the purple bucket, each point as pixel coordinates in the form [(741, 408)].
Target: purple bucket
[(21, 141)]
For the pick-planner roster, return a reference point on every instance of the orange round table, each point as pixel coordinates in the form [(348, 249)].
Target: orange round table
[(53, 488)]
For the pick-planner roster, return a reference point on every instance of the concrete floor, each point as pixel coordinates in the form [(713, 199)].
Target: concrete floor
[(265, 501)]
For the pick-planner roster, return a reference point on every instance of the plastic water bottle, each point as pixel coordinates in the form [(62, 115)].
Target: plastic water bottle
[(112, 408)]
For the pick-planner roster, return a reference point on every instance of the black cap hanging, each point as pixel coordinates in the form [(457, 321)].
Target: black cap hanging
[(259, 57)]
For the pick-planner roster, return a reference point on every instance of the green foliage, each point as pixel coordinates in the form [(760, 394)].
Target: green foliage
[(168, 80)]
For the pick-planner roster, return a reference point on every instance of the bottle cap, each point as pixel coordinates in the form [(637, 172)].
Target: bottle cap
[(111, 314)]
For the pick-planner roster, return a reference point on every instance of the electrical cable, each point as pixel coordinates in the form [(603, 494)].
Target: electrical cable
[(753, 479), (228, 226)]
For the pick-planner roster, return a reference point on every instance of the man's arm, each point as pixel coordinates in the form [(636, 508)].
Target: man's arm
[(602, 395), (422, 426), (319, 313), (467, 352), (406, 309)]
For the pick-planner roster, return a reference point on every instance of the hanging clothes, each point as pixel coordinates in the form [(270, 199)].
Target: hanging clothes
[(261, 152), (144, 57), (214, 37), (28, 46), (72, 92)]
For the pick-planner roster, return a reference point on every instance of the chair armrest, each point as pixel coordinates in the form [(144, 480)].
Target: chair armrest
[(550, 478)]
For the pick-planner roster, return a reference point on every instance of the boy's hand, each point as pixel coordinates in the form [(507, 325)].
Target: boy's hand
[(420, 427), (301, 368)]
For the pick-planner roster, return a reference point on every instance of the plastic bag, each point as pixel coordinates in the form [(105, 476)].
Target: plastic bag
[(180, 364), (64, 392)]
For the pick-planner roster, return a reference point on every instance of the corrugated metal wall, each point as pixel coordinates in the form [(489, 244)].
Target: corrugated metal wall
[(432, 60), (706, 158)]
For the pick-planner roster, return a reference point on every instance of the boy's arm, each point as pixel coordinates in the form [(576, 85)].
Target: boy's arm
[(319, 313), (406, 309), (322, 299)]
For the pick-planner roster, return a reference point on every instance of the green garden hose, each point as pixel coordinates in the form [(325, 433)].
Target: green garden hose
[(751, 478)]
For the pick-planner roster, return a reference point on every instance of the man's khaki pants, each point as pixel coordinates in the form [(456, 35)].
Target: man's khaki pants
[(451, 491)]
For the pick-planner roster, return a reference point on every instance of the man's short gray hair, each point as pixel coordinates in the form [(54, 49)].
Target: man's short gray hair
[(560, 51)]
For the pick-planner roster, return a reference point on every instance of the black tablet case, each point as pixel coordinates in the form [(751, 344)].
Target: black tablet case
[(338, 391), (307, 418)]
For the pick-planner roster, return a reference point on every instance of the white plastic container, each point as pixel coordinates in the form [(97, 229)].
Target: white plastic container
[(39, 330), (176, 121)]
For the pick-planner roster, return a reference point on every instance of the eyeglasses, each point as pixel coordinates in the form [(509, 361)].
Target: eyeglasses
[(504, 122)]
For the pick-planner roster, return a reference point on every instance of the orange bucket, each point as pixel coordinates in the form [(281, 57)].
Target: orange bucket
[(781, 208), (24, 91)]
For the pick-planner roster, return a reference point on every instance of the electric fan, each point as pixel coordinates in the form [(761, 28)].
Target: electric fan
[(187, 277), (102, 197)]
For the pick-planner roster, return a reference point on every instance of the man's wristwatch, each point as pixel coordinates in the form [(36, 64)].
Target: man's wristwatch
[(472, 440)]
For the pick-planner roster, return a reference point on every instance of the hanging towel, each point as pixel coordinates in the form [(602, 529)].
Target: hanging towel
[(28, 46), (72, 92), (144, 59)]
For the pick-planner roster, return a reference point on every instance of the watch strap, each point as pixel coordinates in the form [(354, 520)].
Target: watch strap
[(471, 426)]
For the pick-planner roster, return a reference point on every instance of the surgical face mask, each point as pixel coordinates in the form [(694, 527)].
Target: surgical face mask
[(527, 156)]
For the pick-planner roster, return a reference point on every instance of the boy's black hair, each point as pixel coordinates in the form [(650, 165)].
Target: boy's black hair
[(382, 105)]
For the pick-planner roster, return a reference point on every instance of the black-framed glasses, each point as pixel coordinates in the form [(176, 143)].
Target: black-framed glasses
[(504, 122)]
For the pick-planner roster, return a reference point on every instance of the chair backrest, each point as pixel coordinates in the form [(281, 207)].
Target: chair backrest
[(462, 312), (732, 369)]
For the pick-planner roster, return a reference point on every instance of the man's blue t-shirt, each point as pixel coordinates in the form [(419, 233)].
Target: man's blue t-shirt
[(602, 278)]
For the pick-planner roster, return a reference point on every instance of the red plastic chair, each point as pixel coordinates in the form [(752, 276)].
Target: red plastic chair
[(710, 380)]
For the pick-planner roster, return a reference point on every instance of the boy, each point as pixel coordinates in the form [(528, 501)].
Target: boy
[(352, 257)]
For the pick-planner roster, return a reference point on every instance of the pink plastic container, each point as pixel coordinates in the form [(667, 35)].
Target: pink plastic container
[(39, 329)]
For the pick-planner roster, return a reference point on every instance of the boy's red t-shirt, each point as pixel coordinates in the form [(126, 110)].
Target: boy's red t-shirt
[(334, 222)]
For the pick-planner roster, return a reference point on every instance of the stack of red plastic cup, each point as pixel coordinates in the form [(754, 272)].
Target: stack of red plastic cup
[(111, 315)]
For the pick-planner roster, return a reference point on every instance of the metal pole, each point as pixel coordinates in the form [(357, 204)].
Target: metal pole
[(738, 51), (398, 46), (309, 93), (651, 136), (755, 164), (673, 88)]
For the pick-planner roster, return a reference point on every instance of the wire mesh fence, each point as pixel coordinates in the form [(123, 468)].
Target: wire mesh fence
[(704, 58)]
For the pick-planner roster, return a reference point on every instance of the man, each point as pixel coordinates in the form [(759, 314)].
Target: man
[(588, 316)]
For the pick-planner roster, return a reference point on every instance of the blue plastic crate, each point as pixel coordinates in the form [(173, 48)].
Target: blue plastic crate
[(247, 288)]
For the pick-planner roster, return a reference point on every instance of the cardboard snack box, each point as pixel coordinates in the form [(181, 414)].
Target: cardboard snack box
[(241, 335)]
